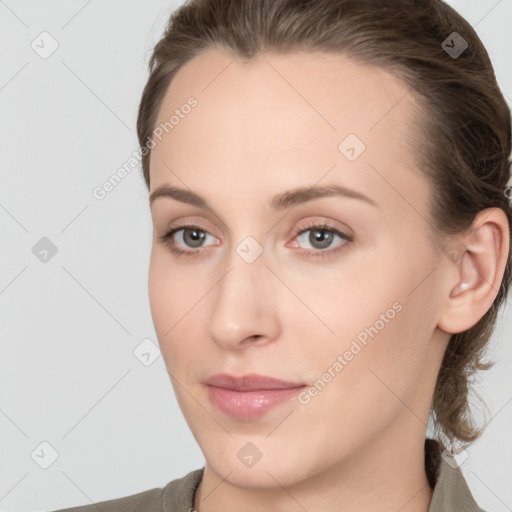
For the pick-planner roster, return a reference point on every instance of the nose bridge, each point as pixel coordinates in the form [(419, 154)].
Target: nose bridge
[(244, 303)]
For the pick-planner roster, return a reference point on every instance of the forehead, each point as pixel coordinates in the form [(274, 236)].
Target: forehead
[(279, 118)]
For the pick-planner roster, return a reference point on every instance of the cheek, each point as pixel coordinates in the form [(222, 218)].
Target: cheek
[(161, 299), (383, 326), (166, 301), (373, 383), (170, 291), (175, 303)]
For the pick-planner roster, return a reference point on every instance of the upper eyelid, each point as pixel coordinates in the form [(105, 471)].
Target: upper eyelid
[(319, 220), (181, 227), (316, 224)]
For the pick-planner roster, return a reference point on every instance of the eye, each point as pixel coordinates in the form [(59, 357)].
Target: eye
[(321, 237), (189, 236)]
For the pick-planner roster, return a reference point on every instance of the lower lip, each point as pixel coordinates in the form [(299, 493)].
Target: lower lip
[(250, 404)]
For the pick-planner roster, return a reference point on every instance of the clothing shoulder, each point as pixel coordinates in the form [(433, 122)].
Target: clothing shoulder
[(451, 491), (173, 497), (145, 501)]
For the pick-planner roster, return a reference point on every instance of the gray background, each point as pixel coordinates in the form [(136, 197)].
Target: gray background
[(69, 327)]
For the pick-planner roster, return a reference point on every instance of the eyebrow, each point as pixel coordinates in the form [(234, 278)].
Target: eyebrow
[(279, 202)]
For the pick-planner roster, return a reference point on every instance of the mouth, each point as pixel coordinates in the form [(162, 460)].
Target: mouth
[(250, 382), (249, 396)]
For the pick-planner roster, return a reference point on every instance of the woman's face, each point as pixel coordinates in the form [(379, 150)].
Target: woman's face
[(331, 291)]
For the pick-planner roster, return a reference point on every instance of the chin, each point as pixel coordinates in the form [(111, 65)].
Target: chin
[(254, 462), (264, 475)]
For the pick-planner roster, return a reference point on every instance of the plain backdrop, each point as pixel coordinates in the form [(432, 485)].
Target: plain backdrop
[(82, 418)]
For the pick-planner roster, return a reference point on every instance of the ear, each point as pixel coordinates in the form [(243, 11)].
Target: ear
[(474, 265)]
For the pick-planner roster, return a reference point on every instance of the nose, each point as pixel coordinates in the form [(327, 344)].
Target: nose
[(244, 309)]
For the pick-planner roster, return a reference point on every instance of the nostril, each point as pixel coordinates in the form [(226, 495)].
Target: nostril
[(255, 338)]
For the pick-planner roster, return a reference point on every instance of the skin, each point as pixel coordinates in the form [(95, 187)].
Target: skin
[(261, 128)]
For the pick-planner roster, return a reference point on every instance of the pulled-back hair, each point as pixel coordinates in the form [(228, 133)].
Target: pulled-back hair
[(463, 136)]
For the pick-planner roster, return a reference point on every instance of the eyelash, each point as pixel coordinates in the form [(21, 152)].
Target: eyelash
[(314, 253)]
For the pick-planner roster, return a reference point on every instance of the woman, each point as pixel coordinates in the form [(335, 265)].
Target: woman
[(327, 186)]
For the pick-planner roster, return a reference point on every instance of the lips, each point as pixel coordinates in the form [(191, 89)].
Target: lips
[(250, 396), (249, 382)]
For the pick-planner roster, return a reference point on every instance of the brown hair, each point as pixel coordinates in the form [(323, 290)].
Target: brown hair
[(463, 136)]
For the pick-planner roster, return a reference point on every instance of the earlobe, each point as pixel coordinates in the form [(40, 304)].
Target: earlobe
[(478, 272)]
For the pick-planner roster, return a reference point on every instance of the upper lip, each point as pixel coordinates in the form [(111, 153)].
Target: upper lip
[(249, 382)]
